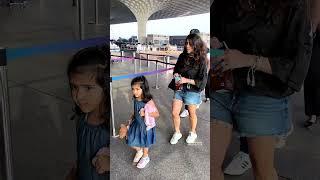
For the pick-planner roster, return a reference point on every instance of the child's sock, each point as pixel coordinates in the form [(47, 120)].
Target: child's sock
[(138, 156)]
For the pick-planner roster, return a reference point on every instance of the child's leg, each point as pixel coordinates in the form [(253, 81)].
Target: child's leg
[(138, 155), (145, 152), (136, 148)]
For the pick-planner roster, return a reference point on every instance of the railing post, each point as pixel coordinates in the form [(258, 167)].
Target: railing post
[(81, 19), (122, 55), (139, 61), (5, 112), (96, 12), (134, 62), (167, 61), (157, 77), (112, 112)]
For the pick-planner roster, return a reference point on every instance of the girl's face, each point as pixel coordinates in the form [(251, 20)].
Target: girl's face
[(86, 93), (137, 91), (189, 47)]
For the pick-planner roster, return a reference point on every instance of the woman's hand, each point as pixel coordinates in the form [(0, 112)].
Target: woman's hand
[(186, 80), (183, 80), (215, 43), (101, 163), (233, 59)]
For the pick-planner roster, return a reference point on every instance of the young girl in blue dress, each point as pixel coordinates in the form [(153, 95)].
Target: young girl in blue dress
[(86, 73), (140, 137)]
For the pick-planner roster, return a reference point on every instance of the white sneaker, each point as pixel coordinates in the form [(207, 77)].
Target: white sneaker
[(191, 138), (138, 156), (239, 164), (175, 138), (143, 162), (184, 113)]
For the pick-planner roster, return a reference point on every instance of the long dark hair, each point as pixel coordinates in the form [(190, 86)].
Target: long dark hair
[(274, 8), (143, 82), (92, 60), (199, 48)]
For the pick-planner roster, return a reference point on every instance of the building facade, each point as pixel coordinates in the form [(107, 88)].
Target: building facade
[(157, 40)]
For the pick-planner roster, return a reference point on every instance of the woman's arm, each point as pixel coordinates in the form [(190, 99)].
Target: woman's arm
[(245, 60), (292, 67), (186, 80), (201, 80), (178, 64), (292, 64)]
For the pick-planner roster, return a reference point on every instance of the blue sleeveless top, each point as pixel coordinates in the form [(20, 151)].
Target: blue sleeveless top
[(90, 138)]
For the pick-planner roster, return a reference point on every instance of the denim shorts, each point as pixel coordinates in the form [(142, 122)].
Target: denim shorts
[(188, 97), (251, 115)]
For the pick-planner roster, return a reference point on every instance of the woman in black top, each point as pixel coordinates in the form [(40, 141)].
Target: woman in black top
[(190, 75), (270, 44)]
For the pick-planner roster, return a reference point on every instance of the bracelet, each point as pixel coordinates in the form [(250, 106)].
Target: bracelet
[(259, 60), (252, 70)]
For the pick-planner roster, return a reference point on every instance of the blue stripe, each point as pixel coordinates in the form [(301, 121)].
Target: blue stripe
[(14, 53), (128, 76)]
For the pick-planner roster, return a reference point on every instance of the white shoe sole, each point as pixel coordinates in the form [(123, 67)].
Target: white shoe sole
[(191, 141), (175, 141), (139, 167), (184, 116)]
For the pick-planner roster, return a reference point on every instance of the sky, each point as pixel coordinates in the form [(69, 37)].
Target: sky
[(172, 26)]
